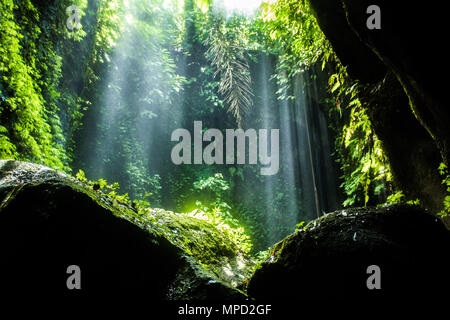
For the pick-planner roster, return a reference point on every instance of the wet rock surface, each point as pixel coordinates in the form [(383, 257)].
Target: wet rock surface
[(49, 221)]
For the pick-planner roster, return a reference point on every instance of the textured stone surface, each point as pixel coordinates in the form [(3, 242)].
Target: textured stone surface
[(49, 221), (405, 92), (329, 258)]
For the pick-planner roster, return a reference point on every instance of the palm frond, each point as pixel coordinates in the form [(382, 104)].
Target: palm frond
[(228, 56)]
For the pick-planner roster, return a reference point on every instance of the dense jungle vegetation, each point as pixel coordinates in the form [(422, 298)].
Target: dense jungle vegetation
[(100, 97)]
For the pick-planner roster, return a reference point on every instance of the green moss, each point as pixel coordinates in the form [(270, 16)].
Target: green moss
[(213, 248), (199, 238)]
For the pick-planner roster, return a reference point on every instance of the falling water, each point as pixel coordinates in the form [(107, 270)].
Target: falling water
[(281, 196), (287, 144), (318, 174), (266, 109), (306, 181), (305, 186)]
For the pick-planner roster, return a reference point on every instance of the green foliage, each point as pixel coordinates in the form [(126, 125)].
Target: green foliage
[(443, 170), (217, 211), (230, 227), (263, 255), (106, 97), (110, 191), (130, 83), (300, 226), (228, 44), (217, 214), (397, 197), (365, 167), (203, 5), (294, 35), (216, 183), (29, 72), (366, 171), (293, 31)]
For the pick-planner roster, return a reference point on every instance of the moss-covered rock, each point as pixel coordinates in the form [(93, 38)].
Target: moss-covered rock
[(210, 247), (407, 102), (49, 221), (330, 256)]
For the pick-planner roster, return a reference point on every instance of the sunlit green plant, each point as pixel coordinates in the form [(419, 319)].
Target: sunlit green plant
[(217, 211), (300, 226), (30, 70), (229, 226), (110, 190), (293, 35)]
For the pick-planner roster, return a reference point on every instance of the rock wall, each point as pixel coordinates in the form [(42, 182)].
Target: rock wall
[(401, 66)]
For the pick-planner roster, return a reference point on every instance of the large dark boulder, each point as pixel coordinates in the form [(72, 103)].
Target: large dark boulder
[(328, 259), (49, 221)]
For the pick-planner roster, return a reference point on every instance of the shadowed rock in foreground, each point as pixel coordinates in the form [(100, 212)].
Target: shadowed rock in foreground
[(49, 221), (330, 257)]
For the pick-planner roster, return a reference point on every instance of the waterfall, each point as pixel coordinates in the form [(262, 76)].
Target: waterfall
[(305, 186), (311, 161), (318, 174)]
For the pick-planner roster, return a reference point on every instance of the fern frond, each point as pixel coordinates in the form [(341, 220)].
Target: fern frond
[(228, 55)]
